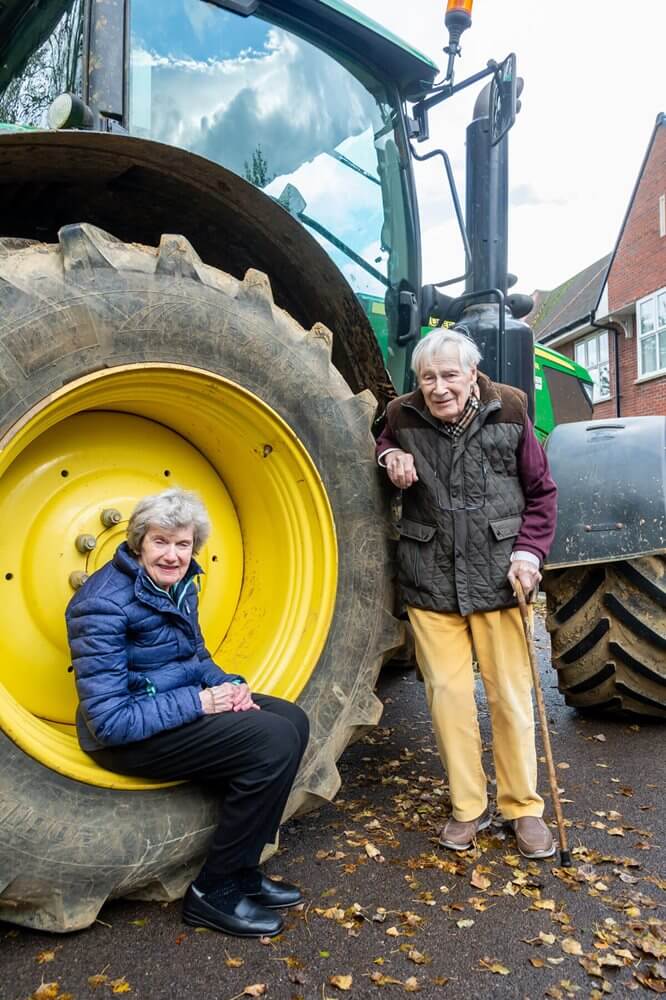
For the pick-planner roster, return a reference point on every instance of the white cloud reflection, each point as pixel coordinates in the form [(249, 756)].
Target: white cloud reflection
[(293, 102)]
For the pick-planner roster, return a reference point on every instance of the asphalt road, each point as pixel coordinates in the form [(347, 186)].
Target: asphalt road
[(389, 912)]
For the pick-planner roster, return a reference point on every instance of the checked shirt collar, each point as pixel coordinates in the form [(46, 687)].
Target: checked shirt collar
[(470, 410)]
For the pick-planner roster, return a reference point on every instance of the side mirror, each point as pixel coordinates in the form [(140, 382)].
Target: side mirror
[(504, 106)]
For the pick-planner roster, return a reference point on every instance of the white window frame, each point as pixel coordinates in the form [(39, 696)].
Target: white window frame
[(658, 332), (598, 336)]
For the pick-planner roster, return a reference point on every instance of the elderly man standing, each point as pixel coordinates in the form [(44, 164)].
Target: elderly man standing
[(478, 513)]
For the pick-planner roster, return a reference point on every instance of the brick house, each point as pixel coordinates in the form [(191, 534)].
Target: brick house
[(611, 316)]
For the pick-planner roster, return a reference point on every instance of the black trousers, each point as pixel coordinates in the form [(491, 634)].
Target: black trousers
[(251, 757)]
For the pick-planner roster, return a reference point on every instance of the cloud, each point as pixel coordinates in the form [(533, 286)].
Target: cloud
[(287, 98), (528, 194)]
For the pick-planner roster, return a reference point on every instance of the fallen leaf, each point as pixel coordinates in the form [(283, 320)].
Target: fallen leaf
[(291, 962), (393, 932), (591, 965), (626, 877), (373, 852), (478, 880), (538, 963), (600, 737), (120, 985), (47, 991), (323, 954), (546, 938), (256, 990), (571, 947), (140, 922), (466, 922), (417, 957), (341, 982), (543, 904), (97, 980), (651, 946), (569, 987), (563, 766), (616, 831), (492, 965), (609, 959), (180, 937), (233, 963), (381, 980), (656, 985), (45, 956), (412, 985)]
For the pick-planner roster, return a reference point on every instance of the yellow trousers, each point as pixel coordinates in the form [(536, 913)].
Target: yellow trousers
[(444, 644)]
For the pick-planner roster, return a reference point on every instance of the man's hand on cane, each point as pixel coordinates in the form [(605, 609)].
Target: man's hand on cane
[(528, 575)]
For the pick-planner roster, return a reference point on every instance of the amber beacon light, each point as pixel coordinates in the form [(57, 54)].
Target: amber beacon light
[(458, 19)]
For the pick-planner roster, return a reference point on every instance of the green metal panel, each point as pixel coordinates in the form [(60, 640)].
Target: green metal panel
[(356, 15)]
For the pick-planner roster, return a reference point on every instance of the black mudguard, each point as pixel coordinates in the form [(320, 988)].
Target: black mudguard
[(611, 479)]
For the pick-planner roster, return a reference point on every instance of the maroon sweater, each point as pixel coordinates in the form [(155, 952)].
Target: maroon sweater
[(540, 514)]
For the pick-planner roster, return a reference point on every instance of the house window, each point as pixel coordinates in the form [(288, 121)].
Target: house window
[(592, 353), (651, 323)]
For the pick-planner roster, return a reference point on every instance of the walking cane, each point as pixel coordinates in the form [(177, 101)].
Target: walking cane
[(565, 854)]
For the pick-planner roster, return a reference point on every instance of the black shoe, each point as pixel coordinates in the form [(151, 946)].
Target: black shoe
[(273, 895), (231, 913)]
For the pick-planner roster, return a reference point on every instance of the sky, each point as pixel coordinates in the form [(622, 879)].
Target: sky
[(595, 81)]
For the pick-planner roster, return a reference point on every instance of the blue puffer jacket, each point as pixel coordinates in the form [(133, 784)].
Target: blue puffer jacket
[(139, 659)]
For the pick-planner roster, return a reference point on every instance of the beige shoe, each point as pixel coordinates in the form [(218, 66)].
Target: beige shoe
[(533, 837), (459, 836)]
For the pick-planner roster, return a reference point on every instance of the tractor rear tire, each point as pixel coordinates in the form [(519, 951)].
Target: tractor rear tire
[(91, 304), (606, 624)]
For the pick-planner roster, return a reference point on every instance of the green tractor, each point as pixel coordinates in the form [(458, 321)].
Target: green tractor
[(196, 196)]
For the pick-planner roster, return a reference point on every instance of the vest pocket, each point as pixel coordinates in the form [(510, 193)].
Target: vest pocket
[(415, 552), (503, 531), (506, 527)]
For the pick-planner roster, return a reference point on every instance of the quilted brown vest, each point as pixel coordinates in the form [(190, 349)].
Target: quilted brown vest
[(460, 520)]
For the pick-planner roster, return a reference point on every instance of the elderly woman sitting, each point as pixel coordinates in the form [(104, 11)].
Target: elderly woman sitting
[(153, 703)]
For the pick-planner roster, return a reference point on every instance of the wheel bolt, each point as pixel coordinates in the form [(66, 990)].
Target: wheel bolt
[(77, 579), (85, 543), (110, 516)]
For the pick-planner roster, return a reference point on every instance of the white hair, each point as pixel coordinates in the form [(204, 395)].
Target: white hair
[(170, 509), (441, 340)]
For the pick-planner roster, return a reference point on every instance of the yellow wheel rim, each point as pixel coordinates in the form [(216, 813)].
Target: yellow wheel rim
[(98, 445)]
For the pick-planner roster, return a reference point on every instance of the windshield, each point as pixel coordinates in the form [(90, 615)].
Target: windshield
[(316, 132), (40, 59)]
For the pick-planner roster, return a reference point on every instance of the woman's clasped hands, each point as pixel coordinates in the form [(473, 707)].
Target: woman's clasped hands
[(227, 697)]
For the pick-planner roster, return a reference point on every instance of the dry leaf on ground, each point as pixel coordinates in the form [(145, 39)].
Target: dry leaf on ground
[(120, 985), (492, 965), (46, 991), (341, 982)]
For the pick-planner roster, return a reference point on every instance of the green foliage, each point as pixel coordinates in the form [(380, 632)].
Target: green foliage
[(256, 172)]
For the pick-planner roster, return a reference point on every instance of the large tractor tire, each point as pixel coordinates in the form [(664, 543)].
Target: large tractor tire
[(123, 370), (606, 623)]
